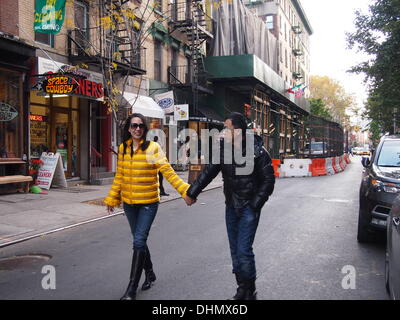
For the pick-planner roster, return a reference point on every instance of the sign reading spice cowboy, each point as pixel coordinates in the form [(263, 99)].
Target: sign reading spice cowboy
[(49, 16), (58, 78), (59, 84), (7, 112)]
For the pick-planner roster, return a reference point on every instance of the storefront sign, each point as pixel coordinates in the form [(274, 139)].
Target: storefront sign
[(59, 85), (90, 89), (51, 169), (49, 16), (37, 117), (89, 84), (7, 112)]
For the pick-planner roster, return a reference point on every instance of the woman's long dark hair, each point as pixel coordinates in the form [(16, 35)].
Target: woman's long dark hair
[(126, 135)]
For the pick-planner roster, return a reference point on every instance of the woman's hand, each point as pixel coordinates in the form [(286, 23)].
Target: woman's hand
[(110, 209), (189, 201)]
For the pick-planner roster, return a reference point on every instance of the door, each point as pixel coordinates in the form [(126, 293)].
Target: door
[(61, 137), (395, 251)]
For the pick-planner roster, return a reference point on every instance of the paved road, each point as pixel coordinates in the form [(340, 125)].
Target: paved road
[(306, 235)]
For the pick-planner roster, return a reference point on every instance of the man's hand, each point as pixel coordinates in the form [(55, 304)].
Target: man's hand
[(189, 201), (110, 210)]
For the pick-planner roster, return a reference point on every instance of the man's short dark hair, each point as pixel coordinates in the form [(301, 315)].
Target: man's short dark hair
[(238, 121)]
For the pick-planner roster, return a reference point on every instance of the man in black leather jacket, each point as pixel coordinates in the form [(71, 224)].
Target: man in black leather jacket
[(245, 195)]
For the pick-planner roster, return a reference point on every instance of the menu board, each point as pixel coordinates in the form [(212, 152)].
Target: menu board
[(51, 171), (38, 133)]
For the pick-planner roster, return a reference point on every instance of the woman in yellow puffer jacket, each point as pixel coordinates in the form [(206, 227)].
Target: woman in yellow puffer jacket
[(136, 185)]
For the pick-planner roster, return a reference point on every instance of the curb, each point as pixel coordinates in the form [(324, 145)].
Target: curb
[(81, 223)]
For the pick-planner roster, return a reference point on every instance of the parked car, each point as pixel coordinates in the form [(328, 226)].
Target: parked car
[(392, 262), (364, 151), (356, 150), (315, 148), (379, 187)]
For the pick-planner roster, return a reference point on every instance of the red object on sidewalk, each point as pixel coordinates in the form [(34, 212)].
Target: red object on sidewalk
[(276, 163)]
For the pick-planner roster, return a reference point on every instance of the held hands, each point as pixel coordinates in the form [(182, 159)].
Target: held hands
[(110, 210), (189, 201)]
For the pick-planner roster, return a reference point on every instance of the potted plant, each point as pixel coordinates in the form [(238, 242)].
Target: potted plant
[(34, 166)]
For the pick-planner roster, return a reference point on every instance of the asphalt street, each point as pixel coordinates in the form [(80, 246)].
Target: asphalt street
[(305, 239)]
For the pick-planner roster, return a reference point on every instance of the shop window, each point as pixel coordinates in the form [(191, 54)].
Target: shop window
[(39, 130), (11, 131)]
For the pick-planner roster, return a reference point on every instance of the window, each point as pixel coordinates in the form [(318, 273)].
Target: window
[(269, 21), (158, 5), (286, 58), (82, 24), (157, 60), (45, 38), (11, 138), (390, 154)]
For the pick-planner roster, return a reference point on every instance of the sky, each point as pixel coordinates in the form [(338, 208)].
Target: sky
[(330, 20)]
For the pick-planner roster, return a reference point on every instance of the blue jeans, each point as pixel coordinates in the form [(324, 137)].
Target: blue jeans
[(241, 228), (140, 218)]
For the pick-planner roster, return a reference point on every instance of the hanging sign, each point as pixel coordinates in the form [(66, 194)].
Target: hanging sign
[(7, 112), (165, 101), (52, 75), (59, 84), (49, 16), (51, 171), (181, 112)]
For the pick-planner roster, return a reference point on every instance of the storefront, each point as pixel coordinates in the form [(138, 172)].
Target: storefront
[(15, 58), (72, 122)]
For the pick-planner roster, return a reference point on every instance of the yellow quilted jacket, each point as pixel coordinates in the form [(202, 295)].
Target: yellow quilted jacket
[(136, 179)]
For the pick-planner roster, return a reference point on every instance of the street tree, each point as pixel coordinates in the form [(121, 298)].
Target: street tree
[(336, 101), (377, 35), (318, 108)]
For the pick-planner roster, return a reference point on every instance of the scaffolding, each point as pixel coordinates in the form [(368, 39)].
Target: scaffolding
[(189, 18)]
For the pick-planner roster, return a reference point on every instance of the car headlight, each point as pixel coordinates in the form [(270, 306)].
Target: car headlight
[(385, 186)]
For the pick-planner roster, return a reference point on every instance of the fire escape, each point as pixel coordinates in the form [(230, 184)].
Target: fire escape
[(114, 43), (189, 18)]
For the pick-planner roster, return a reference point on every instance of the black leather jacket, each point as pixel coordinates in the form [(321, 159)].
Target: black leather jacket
[(241, 190)]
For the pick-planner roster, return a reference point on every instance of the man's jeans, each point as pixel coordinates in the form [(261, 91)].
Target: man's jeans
[(242, 229), (140, 218)]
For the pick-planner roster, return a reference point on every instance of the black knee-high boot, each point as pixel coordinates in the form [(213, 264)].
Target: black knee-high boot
[(148, 271), (138, 260), (246, 289)]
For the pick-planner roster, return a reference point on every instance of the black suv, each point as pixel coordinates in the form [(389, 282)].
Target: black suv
[(379, 187)]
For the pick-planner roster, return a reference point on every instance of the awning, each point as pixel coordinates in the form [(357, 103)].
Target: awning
[(210, 114), (144, 105)]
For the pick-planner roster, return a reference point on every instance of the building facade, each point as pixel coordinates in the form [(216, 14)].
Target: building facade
[(287, 20)]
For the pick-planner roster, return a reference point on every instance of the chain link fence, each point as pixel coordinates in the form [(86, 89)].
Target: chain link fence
[(323, 138)]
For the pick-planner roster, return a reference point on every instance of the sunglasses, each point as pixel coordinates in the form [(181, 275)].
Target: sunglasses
[(137, 125)]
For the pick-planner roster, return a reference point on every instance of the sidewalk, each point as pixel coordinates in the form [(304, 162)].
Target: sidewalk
[(25, 216)]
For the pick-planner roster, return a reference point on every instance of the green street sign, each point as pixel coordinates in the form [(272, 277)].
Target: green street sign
[(49, 16)]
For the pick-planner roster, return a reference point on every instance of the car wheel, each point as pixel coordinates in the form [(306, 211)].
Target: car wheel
[(363, 234)]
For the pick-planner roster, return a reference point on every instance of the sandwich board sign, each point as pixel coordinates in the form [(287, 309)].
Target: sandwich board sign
[(51, 171)]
